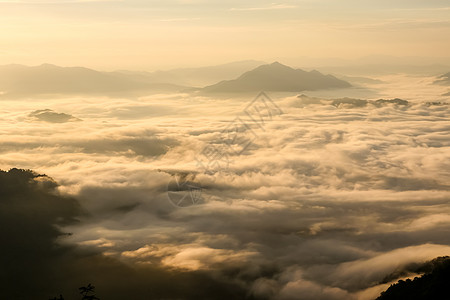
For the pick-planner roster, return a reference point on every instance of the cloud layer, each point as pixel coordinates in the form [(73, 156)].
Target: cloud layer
[(329, 199)]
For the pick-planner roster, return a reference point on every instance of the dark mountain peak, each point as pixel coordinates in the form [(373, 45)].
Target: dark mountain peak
[(273, 66), (278, 64), (277, 77), (269, 72)]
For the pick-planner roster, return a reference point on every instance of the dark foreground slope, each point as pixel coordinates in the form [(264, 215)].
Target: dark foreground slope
[(34, 264), (434, 284)]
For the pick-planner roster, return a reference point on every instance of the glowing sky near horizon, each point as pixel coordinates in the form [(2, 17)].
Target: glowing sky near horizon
[(140, 34)]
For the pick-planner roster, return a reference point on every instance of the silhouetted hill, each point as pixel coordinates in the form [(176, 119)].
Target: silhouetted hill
[(277, 77), (352, 103), (48, 115), (434, 284), (31, 216), (46, 79)]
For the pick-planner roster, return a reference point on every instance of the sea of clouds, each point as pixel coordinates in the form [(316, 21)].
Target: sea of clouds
[(326, 199)]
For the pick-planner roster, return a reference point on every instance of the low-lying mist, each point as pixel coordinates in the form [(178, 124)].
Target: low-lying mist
[(299, 197)]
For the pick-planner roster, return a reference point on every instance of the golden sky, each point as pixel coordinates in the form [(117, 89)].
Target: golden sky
[(139, 34)]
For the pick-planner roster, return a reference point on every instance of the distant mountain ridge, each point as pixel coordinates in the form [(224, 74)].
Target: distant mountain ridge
[(277, 77), (17, 81), (200, 76), (47, 79)]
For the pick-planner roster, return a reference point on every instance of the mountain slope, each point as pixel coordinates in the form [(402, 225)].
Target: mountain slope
[(46, 79), (434, 284), (198, 76), (277, 77)]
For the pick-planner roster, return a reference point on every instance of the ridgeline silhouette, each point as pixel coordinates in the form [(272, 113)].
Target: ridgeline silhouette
[(277, 77), (434, 284)]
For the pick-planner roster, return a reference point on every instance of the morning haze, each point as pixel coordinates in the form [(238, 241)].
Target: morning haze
[(129, 34), (192, 149)]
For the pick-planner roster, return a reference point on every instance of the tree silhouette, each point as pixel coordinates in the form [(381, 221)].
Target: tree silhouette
[(88, 292), (434, 284)]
